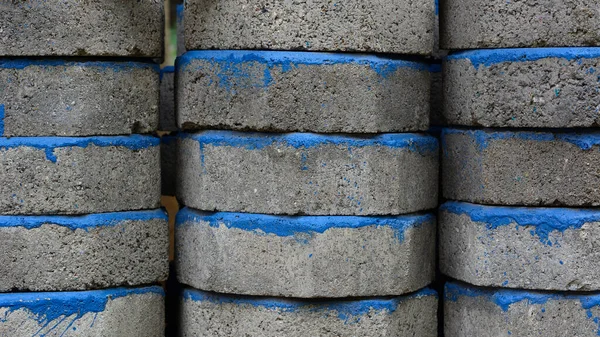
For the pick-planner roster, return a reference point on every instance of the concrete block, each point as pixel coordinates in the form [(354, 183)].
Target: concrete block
[(533, 87), (399, 27), (168, 165), (496, 167), (473, 24), (518, 247), (167, 99), (301, 91), (180, 30), (211, 314), (303, 173), (82, 28), (79, 175), (136, 312), (307, 256), (470, 311), (57, 253), (67, 98)]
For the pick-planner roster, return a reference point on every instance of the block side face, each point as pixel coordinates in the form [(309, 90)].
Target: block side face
[(72, 28), (395, 27)]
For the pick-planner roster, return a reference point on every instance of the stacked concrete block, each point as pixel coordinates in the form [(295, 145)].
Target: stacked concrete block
[(307, 185), (80, 170), (518, 166)]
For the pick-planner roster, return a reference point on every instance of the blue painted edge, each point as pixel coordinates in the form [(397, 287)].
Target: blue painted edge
[(345, 309), (291, 225), (254, 141), (81, 222), (180, 10), (133, 142), (45, 307), (488, 57), (113, 65), (166, 70)]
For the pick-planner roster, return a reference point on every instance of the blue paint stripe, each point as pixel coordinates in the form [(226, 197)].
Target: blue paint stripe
[(112, 65)]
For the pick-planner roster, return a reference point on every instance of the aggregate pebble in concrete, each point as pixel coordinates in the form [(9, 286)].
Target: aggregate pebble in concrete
[(301, 91), (521, 168), (400, 27), (57, 253), (533, 87), (167, 99), (309, 256), (72, 98), (303, 173), (136, 312), (471, 311), (520, 247), (79, 175), (210, 314), (474, 24), (82, 28)]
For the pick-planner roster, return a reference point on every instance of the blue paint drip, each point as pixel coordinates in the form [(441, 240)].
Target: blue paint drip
[(180, 12), (105, 65), (488, 57), (166, 70), (437, 7), (254, 141), (1, 120), (291, 225)]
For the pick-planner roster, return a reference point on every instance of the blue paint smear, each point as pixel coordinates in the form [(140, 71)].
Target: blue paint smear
[(585, 141), (254, 141), (437, 7), (435, 68), (111, 65), (544, 220), (180, 11), (291, 225), (49, 144), (81, 222), (166, 70), (488, 57), (1, 120), (347, 310)]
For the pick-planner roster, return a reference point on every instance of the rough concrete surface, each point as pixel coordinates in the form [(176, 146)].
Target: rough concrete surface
[(82, 28), (180, 30), (303, 173), (301, 91), (135, 312), (308, 256), (520, 247), (57, 253), (215, 315), (79, 175), (400, 27), (490, 166), (471, 311), (474, 24), (167, 99), (76, 98), (531, 87)]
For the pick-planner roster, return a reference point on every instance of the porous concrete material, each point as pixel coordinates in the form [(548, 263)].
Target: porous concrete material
[(301, 91), (532, 87), (210, 314), (521, 168), (168, 165), (304, 173), (399, 27), (79, 175), (136, 312), (167, 99), (520, 247), (76, 28), (471, 311), (307, 256), (66, 98), (473, 24), (57, 253)]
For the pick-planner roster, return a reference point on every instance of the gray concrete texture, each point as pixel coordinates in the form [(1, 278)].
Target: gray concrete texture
[(167, 100), (471, 311), (81, 175), (180, 30), (305, 257), (65, 98), (210, 314), (307, 173), (57, 253), (383, 26), (474, 24), (82, 28), (541, 88), (524, 168), (518, 247), (300, 91), (137, 312)]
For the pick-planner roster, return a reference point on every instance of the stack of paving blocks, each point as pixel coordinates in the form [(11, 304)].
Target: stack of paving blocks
[(81, 237), (306, 196), (522, 168)]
